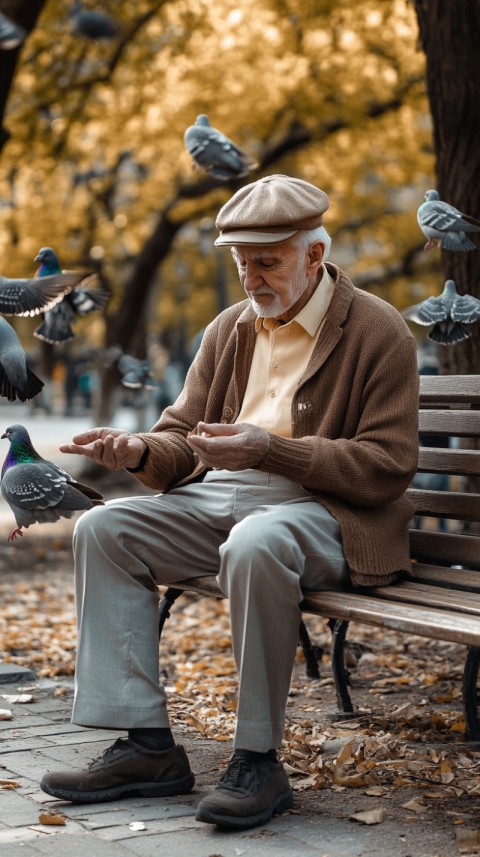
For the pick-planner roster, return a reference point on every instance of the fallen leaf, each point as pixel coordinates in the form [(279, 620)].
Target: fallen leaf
[(468, 840), (8, 784), (51, 818), (369, 816), (415, 805), (17, 698)]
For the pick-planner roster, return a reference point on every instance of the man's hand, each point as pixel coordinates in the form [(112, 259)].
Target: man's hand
[(230, 447), (114, 448)]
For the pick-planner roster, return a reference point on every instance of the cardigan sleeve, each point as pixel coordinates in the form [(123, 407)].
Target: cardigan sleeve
[(377, 462)]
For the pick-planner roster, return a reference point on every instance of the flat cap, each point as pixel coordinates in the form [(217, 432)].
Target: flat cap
[(270, 210)]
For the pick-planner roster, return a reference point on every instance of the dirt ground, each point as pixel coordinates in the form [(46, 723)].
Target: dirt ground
[(402, 756)]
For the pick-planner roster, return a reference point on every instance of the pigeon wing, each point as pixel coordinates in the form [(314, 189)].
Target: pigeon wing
[(444, 217), (430, 311), (29, 297), (85, 301), (465, 309)]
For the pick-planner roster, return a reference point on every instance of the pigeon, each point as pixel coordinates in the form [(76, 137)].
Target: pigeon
[(57, 323), (214, 153), (17, 380), (12, 35), (135, 373), (37, 490), (449, 313), (444, 225), (92, 25), (29, 297)]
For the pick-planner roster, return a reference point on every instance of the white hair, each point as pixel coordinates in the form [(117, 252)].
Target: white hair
[(305, 237)]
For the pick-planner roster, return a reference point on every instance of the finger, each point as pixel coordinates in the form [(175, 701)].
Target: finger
[(217, 429), (76, 450)]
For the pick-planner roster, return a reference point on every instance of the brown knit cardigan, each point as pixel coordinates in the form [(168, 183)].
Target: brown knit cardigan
[(354, 441)]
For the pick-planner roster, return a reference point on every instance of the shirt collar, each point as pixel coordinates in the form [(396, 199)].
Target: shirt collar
[(312, 314)]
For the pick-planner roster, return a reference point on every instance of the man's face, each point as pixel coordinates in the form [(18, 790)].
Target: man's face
[(279, 279)]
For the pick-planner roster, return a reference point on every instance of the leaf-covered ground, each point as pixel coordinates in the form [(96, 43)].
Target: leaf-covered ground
[(405, 744)]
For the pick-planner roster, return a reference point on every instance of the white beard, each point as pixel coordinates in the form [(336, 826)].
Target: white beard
[(277, 307)]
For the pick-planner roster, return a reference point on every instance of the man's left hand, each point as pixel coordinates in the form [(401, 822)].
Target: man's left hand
[(236, 446)]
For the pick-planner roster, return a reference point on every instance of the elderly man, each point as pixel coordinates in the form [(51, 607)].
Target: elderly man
[(282, 466)]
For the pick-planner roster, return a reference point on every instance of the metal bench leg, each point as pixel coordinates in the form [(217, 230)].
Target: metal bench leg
[(340, 674), (310, 652), (166, 602), (471, 694)]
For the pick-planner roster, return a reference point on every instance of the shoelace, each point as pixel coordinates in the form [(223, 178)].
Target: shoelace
[(245, 774), (119, 744)]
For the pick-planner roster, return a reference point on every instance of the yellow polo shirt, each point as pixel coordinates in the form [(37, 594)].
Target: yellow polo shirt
[(280, 358)]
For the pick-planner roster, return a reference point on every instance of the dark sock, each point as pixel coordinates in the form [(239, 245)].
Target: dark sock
[(152, 738), (271, 755)]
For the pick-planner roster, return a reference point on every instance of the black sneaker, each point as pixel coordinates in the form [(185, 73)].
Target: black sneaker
[(249, 793), (124, 770)]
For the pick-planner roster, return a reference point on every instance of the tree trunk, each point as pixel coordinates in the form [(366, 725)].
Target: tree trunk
[(450, 35)]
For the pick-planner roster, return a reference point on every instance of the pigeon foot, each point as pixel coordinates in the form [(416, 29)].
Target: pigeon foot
[(17, 531)]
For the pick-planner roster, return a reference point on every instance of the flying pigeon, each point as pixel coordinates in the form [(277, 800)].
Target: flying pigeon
[(449, 313), (444, 225), (214, 153), (12, 35), (17, 381), (92, 25), (57, 323), (135, 373), (30, 297), (37, 490)]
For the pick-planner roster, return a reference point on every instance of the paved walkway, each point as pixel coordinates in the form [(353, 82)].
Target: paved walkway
[(40, 737)]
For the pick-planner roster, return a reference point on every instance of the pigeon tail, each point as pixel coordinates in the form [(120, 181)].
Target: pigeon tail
[(457, 241), (50, 332), (448, 333), (23, 393)]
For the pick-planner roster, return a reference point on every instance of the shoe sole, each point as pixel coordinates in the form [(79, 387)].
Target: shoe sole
[(177, 787), (235, 822)]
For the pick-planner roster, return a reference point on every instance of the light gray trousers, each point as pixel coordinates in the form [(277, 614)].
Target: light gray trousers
[(261, 535)]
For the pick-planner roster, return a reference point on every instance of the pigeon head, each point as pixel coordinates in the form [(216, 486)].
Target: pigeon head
[(21, 448), (202, 119), (450, 287), (48, 255), (49, 263), (431, 195)]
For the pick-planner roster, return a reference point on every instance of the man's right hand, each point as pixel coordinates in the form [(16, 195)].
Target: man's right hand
[(114, 448)]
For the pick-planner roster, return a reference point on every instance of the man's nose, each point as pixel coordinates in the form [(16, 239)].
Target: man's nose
[(251, 276)]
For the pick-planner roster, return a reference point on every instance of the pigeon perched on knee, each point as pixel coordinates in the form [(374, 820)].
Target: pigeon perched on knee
[(445, 225), (17, 380), (37, 490), (450, 313), (213, 152)]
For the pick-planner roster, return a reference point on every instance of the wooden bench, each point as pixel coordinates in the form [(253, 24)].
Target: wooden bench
[(442, 598)]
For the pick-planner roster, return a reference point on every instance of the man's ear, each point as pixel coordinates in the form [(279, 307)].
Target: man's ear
[(315, 256)]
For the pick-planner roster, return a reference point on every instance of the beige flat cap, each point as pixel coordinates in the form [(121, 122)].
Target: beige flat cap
[(270, 210)]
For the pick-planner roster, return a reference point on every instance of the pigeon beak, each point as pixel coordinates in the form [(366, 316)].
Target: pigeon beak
[(3, 437), (38, 258)]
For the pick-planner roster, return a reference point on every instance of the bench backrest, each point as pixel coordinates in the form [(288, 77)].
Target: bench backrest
[(449, 412)]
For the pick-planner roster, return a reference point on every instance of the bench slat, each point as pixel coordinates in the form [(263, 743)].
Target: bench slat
[(428, 595), (450, 422), (456, 578), (442, 388), (445, 548), (439, 624), (446, 504), (460, 462)]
